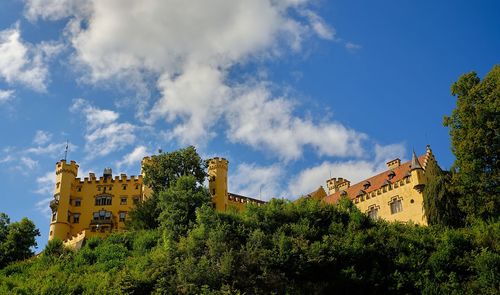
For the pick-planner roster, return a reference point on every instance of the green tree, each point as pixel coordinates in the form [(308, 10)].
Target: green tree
[(145, 214), (179, 203), (19, 238), (164, 169), (161, 172), (440, 198), (475, 139)]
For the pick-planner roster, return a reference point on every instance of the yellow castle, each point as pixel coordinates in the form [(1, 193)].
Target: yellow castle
[(97, 206), (394, 195)]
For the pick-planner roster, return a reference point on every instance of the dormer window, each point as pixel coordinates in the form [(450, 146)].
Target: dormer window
[(391, 175), (366, 185)]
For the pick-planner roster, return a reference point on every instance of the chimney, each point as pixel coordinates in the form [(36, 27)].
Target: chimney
[(394, 163)]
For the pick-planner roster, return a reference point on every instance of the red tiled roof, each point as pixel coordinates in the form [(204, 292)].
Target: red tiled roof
[(376, 181)]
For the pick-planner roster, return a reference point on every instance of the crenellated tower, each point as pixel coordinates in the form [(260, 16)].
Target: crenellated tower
[(417, 174), (217, 182), (60, 220)]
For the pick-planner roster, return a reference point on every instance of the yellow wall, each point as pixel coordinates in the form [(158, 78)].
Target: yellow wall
[(70, 189), (412, 202)]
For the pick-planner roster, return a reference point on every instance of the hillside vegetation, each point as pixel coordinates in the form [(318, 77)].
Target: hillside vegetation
[(283, 248), (177, 244)]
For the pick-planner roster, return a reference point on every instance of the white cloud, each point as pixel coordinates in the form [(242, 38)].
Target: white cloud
[(191, 47), (28, 163), (311, 178), (133, 157), (24, 63), (52, 149), (352, 46), (258, 119), (53, 9), (42, 137), (103, 134), (46, 183), (256, 181), (319, 26), (6, 95), (385, 153), (45, 186)]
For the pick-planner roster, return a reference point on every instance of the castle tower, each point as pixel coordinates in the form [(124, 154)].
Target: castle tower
[(146, 190), (65, 176), (417, 174), (217, 182)]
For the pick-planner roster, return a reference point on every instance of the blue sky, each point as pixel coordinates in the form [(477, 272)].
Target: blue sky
[(290, 91)]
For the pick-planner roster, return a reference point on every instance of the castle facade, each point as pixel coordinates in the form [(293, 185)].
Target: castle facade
[(97, 206)]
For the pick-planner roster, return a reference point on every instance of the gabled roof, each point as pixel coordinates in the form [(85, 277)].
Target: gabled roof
[(376, 181)]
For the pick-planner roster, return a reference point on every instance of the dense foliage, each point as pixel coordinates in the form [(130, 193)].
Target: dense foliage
[(441, 198), (475, 140), (16, 239), (282, 248), (161, 173)]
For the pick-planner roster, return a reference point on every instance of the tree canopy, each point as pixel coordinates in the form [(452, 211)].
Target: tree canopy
[(16, 239), (162, 174), (475, 141)]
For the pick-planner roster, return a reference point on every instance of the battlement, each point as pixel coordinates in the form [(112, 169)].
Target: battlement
[(117, 179), (218, 163), (63, 166)]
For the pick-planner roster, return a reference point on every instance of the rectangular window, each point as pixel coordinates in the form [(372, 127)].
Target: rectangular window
[(396, 206), (122, 216), (58, 184), (373, 213), (96, 216), (136, 200), (78, 202), (123, 201), (76, 218)]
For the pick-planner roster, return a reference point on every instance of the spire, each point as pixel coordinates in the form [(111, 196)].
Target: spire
[(415, 164)]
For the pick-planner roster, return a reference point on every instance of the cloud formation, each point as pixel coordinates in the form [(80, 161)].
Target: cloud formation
[(257, 181), (190, 47), (133, 157), (24, 63), (6, 95), (103, 134)]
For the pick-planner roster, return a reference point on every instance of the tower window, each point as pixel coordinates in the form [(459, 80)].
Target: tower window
[(124, 187), (78, 202), (396, 206), (76, 218), (79, 189), (54, 216)]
